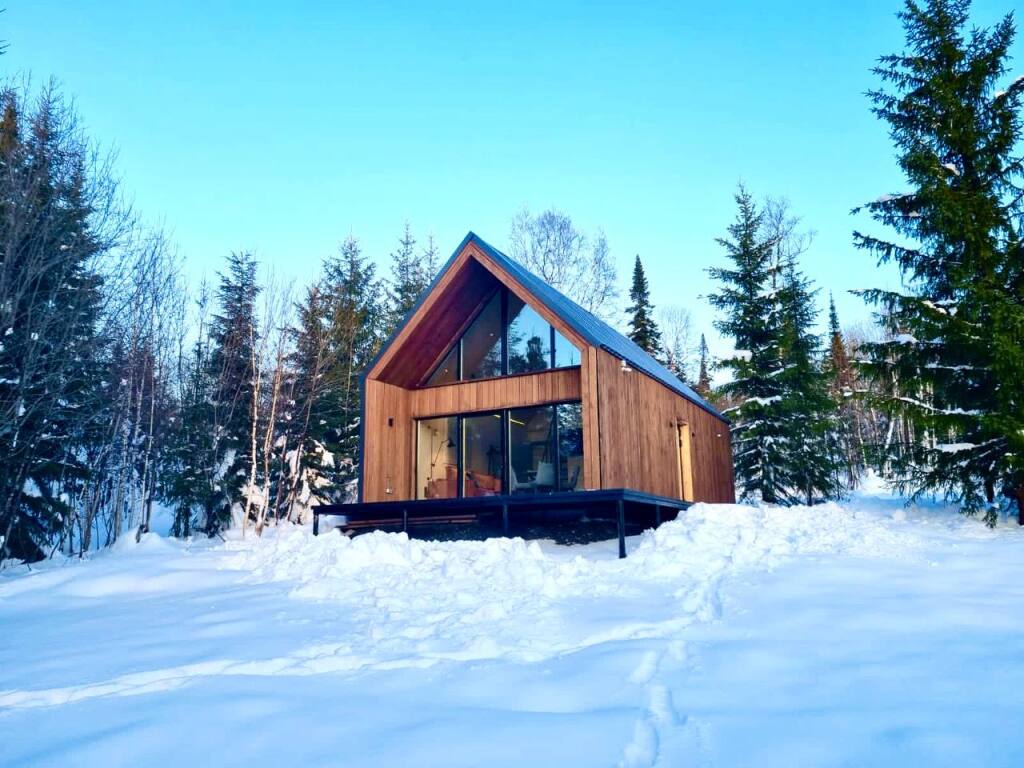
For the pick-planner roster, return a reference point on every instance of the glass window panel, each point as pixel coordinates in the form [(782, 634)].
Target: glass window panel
[(529, 338), (448, 371), (481, 344), (531, 449), (437, 470), (566, 353), (482, 455), (570, 446)]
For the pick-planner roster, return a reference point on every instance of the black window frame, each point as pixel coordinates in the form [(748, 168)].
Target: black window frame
[(506, 440), (553, 333)]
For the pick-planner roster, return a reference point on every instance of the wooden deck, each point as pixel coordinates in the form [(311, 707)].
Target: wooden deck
[(624, 503)]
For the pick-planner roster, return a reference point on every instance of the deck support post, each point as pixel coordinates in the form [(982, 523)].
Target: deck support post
[(621, 509), (657, 515), (405, 520), (316, 523), (504, 518)]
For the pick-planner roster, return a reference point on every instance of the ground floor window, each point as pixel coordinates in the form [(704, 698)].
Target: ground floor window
[(437, 463), (518, 450)]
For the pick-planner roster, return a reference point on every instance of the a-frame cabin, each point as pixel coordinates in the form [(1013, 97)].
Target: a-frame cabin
[(496, 387)]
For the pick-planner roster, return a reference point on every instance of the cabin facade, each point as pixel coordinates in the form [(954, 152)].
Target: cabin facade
[(496, 386)]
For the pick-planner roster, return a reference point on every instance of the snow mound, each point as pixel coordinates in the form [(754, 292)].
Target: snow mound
[(508, 597)]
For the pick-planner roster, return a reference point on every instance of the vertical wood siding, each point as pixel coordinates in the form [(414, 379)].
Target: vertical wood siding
[(638, 418)]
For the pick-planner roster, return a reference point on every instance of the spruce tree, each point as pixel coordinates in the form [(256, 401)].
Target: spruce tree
[(430, 259), (643, 330), (410, 275), (192, 484), (751, 319), (232, 370), (955, 350), (50, 308), (704, 376), (357, 319), (841, 380), (316, 417), (813, 457)]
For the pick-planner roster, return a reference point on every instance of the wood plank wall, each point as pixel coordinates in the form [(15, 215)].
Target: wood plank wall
[(389, 450), (638, 419), (492, 394)]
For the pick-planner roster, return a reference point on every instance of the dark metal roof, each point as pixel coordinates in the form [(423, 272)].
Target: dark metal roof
[(595, 331)]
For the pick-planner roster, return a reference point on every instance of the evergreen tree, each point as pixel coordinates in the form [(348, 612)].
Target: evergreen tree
[(837, 361), (430, 259), (192, 484), (813, 456), (643, 330), (704, 376), (51, 235), (232, 371), (411, 273), (752, 320), (841, 380), (316, 419), (955, 354), (356, 320)]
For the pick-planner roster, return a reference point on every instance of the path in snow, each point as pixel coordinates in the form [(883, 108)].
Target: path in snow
[(841, 635)]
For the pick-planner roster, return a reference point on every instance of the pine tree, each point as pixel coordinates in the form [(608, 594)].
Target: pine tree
[(704, 376), (411, 273), (751, 319), (643, 330), (955, 355)]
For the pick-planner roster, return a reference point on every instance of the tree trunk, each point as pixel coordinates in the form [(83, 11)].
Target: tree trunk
[(1019, 495)]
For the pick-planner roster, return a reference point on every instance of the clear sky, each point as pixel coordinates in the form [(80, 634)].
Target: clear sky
[(282, 127)]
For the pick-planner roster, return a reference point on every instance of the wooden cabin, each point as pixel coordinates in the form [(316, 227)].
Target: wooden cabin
[(496, 384)]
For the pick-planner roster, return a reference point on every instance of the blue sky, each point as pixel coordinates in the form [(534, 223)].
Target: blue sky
[(283, 127)]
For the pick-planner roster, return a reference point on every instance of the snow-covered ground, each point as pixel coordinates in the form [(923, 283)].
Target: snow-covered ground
[(844, 635)]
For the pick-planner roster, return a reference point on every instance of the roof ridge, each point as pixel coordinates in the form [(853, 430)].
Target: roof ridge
[(588, 325)]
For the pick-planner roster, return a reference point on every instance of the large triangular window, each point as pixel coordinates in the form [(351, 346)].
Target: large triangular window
[(507, 337)]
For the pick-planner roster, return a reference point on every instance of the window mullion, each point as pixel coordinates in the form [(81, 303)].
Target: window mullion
[(504, 331), (555, 453)]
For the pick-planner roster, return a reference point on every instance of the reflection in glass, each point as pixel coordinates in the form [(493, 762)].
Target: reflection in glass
[(448, 371), (531, 449), (437, 472), (529, 338), (566, 353), (482, 455), (481, 344), (570, 446)]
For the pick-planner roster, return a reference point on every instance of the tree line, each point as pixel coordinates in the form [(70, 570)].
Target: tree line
[(240, 406), (932, 397)]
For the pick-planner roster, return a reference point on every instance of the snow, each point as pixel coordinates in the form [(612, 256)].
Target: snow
[(861, 633), (1000, 94), (955, 447), (763, 400)]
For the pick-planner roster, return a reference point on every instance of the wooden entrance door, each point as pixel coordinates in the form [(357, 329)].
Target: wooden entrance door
[(685, 462)]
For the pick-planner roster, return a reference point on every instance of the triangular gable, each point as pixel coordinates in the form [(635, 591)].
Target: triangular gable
[(475, 269), (451, 302)]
